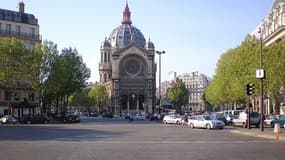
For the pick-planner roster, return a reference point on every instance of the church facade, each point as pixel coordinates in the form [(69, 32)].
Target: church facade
[(127, 69)]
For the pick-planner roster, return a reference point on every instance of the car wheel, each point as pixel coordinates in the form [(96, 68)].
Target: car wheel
[(165, 122), (208, 126), (192, 125), (272, 124), (177, 122)]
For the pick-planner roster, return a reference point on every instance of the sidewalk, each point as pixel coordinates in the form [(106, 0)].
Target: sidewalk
[(268, 133)]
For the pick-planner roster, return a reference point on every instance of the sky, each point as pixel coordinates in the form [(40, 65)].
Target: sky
[(193, 33)]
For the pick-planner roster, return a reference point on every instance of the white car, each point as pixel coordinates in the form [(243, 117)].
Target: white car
[(205, 121), (139, 116), (172, 119), (8, 119)]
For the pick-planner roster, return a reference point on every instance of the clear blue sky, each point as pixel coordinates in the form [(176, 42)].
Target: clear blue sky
[(194, 33)]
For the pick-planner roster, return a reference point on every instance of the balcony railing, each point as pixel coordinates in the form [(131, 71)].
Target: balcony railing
[(20, 35)]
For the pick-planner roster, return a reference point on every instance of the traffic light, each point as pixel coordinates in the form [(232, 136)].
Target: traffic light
[(250, 89)]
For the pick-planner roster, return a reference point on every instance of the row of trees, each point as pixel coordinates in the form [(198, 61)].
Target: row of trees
[(90, 99), (55, 76), (237, 67)]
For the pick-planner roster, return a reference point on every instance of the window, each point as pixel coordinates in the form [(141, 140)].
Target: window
[(105, 57), (8, 28), (32, 32), (18, 30)]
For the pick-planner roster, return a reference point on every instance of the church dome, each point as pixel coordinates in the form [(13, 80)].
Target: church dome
[(126, 33)]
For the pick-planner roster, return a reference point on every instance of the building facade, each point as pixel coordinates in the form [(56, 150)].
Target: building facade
[(24, 27), (127, 68), (272, 27), (196, 84)]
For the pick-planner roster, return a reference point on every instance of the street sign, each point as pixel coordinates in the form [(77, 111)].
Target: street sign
[(260, 73)]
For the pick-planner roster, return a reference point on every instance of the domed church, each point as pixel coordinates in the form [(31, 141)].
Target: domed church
[(127, 68)]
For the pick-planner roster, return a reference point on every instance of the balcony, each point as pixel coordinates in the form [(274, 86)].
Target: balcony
[(21, 35)]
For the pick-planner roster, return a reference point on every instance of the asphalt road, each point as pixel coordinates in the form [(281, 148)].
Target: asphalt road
[(105, 139)]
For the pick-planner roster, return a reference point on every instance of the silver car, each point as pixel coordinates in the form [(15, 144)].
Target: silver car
[(205, 121)]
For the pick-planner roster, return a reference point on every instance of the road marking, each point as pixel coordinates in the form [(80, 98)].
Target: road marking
[(168, 142)]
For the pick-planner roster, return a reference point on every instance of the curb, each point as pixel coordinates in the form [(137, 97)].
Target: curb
[(260, 135)]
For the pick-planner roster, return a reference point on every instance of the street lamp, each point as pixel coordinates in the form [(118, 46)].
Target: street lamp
[(260, 74), (133, 96), (159, 89)]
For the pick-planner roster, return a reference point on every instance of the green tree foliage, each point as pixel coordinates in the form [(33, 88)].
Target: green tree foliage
[(99, 95), (81, 100), (178, 95), (13, 67), (237, 67), (68, 74), (234, 70)]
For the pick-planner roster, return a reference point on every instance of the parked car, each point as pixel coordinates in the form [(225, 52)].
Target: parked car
[(172, 119), (8, 119), (71, 118), (34, 119), (242, 119), (268, 121), (279, 120), (205, 121), (108, 114), (139, 116), (220, 117)]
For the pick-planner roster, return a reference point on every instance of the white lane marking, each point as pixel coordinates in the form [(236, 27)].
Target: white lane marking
[(169, 142)]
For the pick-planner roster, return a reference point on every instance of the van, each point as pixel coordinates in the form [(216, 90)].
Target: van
[(242, 119)]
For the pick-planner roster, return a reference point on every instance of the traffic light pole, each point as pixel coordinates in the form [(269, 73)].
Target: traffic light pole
[(248, 113), (261, 84)]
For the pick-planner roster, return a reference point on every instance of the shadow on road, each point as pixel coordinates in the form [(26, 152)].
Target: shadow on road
[(56, 133)]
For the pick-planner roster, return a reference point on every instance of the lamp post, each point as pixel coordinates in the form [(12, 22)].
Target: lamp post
[(260, 73), (159, 89), (133, 96)]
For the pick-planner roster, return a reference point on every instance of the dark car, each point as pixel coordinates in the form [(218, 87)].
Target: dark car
[(34, 119), (71, 118), (108, 114)]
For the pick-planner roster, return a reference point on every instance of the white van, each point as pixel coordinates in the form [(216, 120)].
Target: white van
[(242, 119)]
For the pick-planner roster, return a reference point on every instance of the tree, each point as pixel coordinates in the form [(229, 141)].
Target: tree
[(99, 95), (68, 74), (13, 67), (81, 100), (178, 95)]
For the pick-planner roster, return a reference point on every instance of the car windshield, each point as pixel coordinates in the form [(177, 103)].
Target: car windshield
[(207, 118)]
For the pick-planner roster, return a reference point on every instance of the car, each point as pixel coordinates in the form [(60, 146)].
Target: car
[(139, 116), (220, 117), (34, 119), (242, 119), (172, 119), (279, 120), (108, 115), (71, 118), (8, 119), (268, 121), (205, 121)]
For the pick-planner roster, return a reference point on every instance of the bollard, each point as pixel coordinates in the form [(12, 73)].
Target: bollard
[(277, 128)]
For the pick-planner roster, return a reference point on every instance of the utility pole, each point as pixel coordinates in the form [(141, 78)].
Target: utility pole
[(260, 74), (159, 89)]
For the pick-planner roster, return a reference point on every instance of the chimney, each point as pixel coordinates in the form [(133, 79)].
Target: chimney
[(21, 7)]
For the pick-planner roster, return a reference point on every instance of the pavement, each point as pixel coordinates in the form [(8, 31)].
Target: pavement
[(268, 133)]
